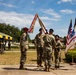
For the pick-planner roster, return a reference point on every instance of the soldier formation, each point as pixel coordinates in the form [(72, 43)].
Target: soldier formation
[(45, 45)]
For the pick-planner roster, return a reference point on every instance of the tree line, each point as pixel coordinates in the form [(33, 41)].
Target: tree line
[(13, 31)]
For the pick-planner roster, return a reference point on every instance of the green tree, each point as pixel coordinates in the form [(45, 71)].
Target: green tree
[(10, 30)]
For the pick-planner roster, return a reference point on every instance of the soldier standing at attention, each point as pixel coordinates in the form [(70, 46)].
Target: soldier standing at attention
[(39, 45), (23, 47), (57, 52), (49, 44)]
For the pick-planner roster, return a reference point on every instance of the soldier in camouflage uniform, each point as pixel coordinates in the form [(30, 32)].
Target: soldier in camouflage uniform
[(49, 44), (39, 45), (57, 52), (23, 47)]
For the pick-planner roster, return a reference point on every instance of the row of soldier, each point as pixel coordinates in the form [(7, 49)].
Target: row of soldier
[(45, 45)]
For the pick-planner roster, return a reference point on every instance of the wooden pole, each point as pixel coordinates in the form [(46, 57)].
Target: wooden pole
[(72, 58)]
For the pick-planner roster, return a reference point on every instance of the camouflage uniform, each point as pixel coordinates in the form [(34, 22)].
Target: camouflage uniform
[(23, 47), (49, 43), (39, 45), (57, 53)]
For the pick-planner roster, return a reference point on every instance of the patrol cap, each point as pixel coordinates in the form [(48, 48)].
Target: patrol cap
[(51, 30), (25, 29), (40, 29), (57, 36)]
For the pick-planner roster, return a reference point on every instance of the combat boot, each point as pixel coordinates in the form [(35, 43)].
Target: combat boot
[(56, 67), (41, 65), (22, 66), (48, 68), (45, 68)]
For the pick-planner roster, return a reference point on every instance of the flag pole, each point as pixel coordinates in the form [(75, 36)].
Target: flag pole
[(72, 58)]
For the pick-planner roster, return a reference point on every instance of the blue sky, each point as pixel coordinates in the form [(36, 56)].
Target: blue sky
[(54, 14)]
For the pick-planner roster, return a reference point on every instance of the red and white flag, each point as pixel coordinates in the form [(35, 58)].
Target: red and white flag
[(42, 25), (31, 29)]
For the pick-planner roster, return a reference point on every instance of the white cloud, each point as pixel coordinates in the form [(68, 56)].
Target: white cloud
[(58, 2), (67, 11), (23, 20), (62, 32), (19, 20), (74, 2), (66, 0), (13, 18), (63, 1), (8, 5), (33, 2), (55, 16)]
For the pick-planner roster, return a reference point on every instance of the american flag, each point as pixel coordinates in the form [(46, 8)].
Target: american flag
[(71, 37), (69, 30)]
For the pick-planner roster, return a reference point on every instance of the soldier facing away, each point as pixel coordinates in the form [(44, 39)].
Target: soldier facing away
[(49, 44), (39, 45), (23, 47)]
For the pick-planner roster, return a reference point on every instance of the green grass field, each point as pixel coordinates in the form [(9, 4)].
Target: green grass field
[(13, 58)]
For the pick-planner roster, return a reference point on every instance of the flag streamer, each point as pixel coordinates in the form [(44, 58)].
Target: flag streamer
[(42, 25), (31, 29)]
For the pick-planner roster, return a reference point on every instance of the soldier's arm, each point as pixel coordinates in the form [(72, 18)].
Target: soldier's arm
[(54, 43), (60, 44), (20, 40), (35, 40)]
